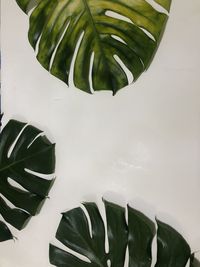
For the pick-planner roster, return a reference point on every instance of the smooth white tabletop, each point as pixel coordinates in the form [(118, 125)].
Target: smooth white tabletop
[(141, 146)]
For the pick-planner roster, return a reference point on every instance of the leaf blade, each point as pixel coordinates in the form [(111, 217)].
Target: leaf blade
[(57, 27), (26, 155), (173, 250), (141, 233)]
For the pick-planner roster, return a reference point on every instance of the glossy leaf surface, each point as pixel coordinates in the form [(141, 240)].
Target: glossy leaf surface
[(102, 38), (26, 155), (83, 231), (170, 246)]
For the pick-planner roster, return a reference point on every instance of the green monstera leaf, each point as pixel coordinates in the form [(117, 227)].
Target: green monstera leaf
[(83, 232), (26, 157), (99, 42)]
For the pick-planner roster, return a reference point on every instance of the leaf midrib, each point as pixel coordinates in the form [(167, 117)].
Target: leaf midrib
[(97, 34), (25, 158)]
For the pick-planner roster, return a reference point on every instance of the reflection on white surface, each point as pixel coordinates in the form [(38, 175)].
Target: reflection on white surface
[(142, 144), (133, 159)]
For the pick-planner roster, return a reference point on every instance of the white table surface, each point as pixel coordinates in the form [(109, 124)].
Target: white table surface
[(140, 146)]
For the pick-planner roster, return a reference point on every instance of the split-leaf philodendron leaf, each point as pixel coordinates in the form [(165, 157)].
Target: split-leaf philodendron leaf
[(26, 157), (98, 41), (83, 231)]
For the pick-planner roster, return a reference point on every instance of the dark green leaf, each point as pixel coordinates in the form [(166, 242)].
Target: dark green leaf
[(84, 233), (61, 258), (74, 233), (25, 156), (131, 36), (141, 233), (173, 250), (117, 233), (5, 233)]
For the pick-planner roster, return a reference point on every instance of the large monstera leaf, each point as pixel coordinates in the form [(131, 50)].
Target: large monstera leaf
[(99, 41), (26, 157), (83, 231)]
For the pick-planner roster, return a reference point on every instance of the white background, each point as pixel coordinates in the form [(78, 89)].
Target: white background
[(142, 144)]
